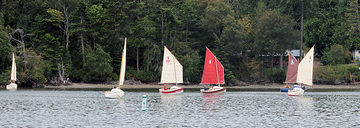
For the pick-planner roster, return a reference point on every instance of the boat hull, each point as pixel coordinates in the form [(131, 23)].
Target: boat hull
[(214, 90), (114, 94), (287, 89), (172, 90), (11, 87), (296, 92)]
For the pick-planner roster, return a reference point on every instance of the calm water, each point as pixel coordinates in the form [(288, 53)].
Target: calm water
[(47, 108)]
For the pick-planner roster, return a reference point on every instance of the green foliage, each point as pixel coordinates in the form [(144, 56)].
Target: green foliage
[(327, 26), (242, 34), (335, 74), (36, 72), (97, 65), (336, 55), (274, 33), (274, 75), (52, 51), (5, 77)]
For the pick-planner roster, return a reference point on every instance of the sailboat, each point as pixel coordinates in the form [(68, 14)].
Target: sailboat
[(213, 74), (304, 74), (116, 92), (172, 72), (291, 73), (12, 85)]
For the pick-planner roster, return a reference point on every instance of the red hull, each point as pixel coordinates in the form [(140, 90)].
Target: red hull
[(171, 92)]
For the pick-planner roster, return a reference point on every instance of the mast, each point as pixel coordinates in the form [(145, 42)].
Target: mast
[(175, 70), (217, 73), (301, 29)]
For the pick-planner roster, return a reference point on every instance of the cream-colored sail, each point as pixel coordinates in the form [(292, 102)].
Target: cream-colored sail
[(172, 70), (13, 69), (123, 66), (305, 69)]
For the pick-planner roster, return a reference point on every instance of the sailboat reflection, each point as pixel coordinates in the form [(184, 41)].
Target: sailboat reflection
[(171, 102), (212, 102)]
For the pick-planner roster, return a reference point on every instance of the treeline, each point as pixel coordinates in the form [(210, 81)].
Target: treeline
[(58, 41)]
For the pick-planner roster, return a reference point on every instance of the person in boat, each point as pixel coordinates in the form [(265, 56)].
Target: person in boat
[(205, 88), (165, 88), (286, 86)]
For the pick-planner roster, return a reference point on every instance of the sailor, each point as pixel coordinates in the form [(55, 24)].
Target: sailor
[(165, 88)]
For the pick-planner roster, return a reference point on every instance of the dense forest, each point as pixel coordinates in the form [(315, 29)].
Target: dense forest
[(58, 41)]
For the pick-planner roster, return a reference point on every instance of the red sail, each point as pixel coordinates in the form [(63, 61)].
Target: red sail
[(292, 69), (213, 72)]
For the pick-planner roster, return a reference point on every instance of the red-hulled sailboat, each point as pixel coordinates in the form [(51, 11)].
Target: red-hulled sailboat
[(213, 74), (172, 72)]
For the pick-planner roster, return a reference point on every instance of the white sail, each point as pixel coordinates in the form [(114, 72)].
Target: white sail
[(172, 70), (123, 66), (305, 69), (13, 69)]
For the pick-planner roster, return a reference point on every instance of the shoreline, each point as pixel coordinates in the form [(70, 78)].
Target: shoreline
[(267, 87)]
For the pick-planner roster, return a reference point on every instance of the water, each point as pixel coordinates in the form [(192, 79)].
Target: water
[(55, 108)]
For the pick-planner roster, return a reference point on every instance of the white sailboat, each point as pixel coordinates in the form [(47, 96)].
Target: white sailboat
[(116, 92), (172, 72), (304, 74), (12, 85)]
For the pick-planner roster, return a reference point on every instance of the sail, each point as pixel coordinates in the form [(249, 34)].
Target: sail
[(213, 70), (292, 69), (172, 70), (123, 66), (13, 69), (305, 69)]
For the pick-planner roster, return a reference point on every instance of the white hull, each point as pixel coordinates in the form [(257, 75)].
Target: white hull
[(11, 86), (115, 93), (173, 90), (213, 90), (296, 92)]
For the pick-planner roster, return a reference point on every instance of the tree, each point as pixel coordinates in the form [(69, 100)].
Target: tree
[(4, 53), (336, 55), (274, 34), (97, 65), (327, 26)]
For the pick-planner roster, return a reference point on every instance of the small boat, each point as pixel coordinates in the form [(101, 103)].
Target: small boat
[(286, 88), (172, 72), (304, 74), (213, 74), (291, 73), (12, 86), (116, 92), (172, 90), (296, 91)]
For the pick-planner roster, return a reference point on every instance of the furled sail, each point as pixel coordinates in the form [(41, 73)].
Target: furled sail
[(13, 69), (123, 66)]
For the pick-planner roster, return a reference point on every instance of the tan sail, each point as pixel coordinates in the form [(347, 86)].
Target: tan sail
[(13, 69), (123, 66), (172, 70), (305, 69)]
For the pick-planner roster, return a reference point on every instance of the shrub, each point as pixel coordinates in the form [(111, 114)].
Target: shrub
[(274, 75), (335, 74)]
